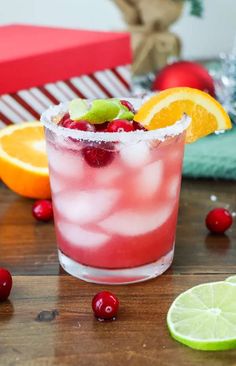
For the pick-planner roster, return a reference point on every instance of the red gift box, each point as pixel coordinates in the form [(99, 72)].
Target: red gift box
[(40, 66)]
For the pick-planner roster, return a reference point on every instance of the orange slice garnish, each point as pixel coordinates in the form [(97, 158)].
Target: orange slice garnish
[(167, 107)]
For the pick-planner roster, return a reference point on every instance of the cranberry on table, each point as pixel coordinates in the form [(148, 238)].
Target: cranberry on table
[(98, 155), (105, 305), (5, 284), (42, 210), (120, 125), (128, 105), (219, 220)]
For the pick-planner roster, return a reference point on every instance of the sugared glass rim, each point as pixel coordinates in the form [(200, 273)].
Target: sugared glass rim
[(139, 135)]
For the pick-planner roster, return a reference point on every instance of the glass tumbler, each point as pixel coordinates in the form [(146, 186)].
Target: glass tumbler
[(115, 198)]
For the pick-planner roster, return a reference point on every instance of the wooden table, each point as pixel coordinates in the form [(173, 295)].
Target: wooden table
[(139, 336)]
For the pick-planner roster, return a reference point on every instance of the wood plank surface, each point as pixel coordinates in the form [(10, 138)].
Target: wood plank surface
[(139, 336)]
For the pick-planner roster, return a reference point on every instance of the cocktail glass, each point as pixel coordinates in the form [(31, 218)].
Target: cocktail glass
[(115, 198)]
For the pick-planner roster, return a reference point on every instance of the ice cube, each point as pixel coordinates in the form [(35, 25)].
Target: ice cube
[(108, 175), (57, 184), (133, 223), (66, 163), (136, 154), (149, 179), (86, 207), (77, 236), (173, 186)]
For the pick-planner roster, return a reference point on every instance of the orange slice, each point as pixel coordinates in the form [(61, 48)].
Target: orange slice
[(167, 107), (23, 160)]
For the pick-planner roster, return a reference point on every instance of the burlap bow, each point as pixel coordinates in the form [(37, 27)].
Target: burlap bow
[(148, 22)]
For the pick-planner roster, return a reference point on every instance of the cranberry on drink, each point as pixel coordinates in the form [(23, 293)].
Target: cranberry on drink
[(64, 119), (219, 220), (105, 305), (138, 126), (79, 125), (101, 127), (120, 125), (42, 210), (98, 155), (5, 284), (128, 105)]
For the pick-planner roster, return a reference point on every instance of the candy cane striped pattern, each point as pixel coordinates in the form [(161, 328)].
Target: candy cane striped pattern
[(27, 105)]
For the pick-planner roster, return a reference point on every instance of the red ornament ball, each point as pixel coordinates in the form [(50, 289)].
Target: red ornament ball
[(219, 220), (184, 73), (5, 284), (105, 305)]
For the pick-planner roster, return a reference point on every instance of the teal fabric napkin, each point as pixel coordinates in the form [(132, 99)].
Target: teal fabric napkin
[(212, 157)]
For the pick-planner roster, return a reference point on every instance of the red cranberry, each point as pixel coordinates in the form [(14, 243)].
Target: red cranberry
[(128, 105), (219, 220), (101, 127), (120, 125), (5, 284), (64, 119), (42, 210), (105, 305), (80, 125), (138, 126), (98, 155)]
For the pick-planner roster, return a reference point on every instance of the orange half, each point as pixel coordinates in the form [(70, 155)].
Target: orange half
[(23, 160), (167, 107)]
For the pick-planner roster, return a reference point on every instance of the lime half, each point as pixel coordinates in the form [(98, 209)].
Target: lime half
[(231, 279), (204, 317)]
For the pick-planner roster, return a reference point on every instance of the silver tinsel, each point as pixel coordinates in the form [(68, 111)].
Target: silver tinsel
[(225, 83)]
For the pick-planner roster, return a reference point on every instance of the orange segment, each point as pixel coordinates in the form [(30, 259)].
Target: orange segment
[(23, 160), (167, 107)]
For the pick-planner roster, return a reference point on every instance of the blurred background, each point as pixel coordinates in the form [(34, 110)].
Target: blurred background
[(202, 37)]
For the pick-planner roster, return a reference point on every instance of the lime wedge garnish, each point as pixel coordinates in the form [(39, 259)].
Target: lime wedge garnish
[(204, 317), (97, 111), (124, 112), (231, 279), (78, 108)]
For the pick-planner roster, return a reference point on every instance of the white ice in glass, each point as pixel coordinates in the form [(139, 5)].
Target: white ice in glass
[(80, 237), (149, 179), (66, 164), (86, 207), (136, 154), (132, 223)]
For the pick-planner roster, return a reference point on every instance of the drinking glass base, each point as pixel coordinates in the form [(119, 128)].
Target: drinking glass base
[(116, 276)]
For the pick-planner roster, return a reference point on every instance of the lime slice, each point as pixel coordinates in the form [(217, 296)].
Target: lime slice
[(124, 112), (78, 108), (231, 279), (204, 317), (98, 111)]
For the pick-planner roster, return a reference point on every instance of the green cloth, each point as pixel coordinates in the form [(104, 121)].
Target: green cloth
[(212, 157)]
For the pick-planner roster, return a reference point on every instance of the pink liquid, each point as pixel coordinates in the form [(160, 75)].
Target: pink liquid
[(122, 215)]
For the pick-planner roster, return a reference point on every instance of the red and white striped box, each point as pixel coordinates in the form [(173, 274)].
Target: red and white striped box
[(41, 66)]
